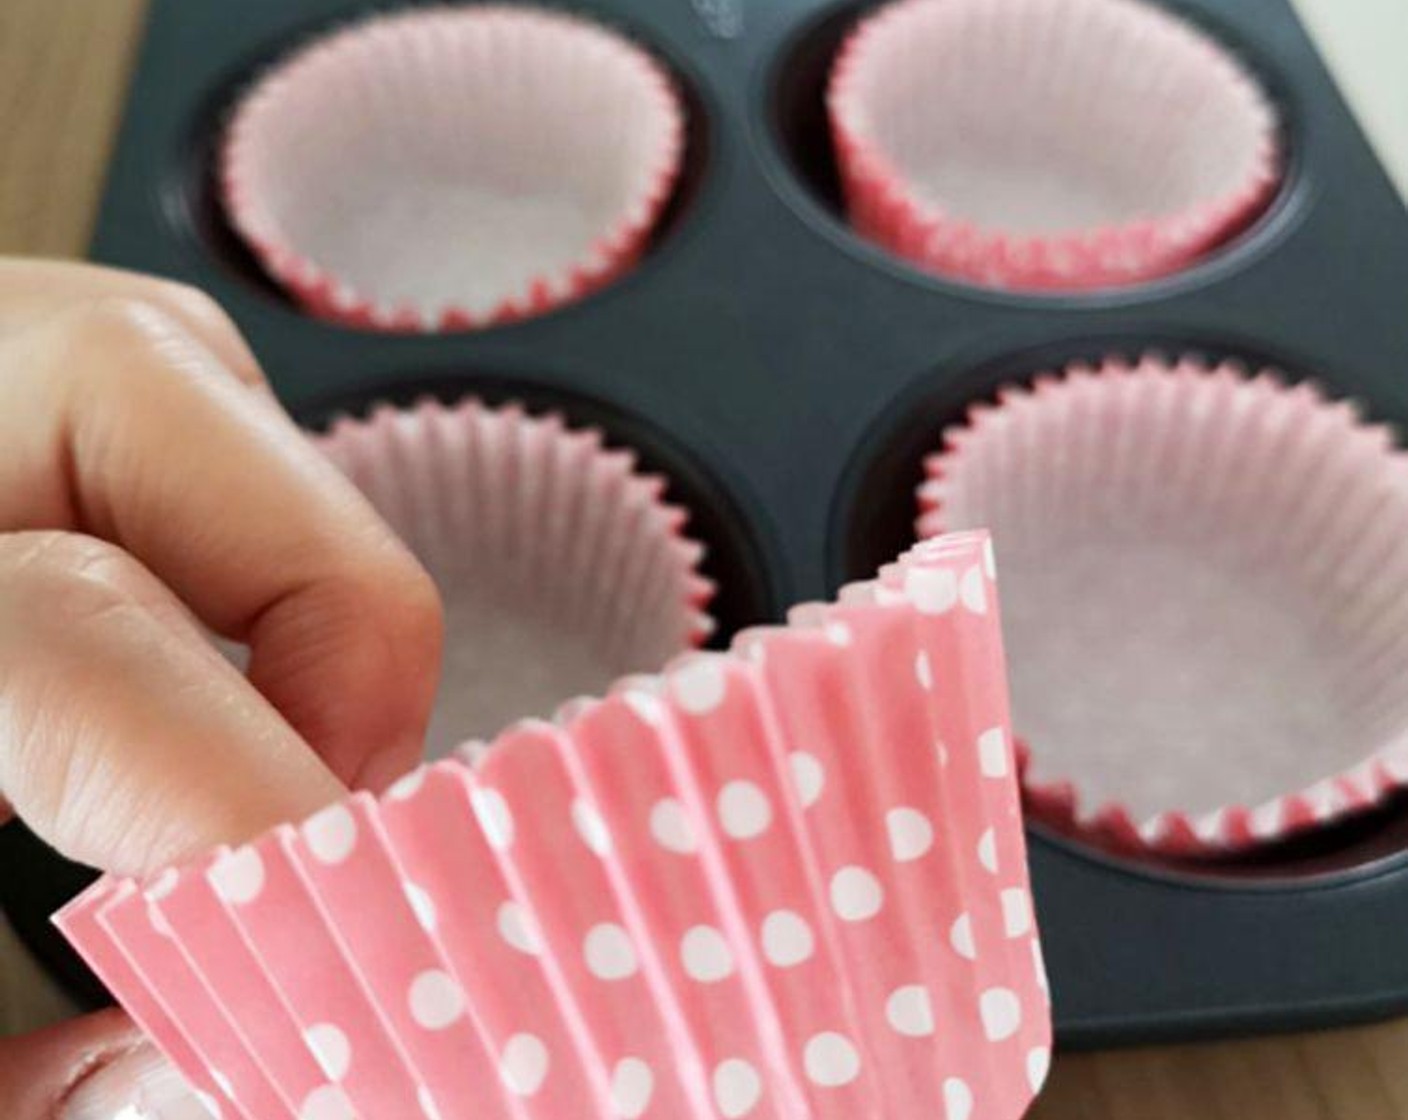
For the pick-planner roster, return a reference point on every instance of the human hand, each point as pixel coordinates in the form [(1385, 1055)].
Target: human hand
[(151, 487)]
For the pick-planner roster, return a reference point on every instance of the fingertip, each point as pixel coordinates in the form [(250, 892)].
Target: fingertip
[(41, 1072)]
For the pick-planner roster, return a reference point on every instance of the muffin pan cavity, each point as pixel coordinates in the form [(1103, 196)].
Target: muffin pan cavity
[(789, 377), (1205, 570), (277, 185), (423, 451), (973, 170), (1056, 144), (560, 566)]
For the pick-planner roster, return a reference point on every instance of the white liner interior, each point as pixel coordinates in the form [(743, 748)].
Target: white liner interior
[(1042, 117), (450, 158), (1205, 582), (559, 566)]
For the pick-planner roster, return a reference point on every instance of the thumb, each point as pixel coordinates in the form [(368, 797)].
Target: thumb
[(95, 1068)]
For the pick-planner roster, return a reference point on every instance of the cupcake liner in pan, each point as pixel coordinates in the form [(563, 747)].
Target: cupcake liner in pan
[(786, 881), (1047, 144), (453, 167), (560, 565), (1207, 598)]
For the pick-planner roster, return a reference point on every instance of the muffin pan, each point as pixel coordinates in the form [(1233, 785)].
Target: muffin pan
[(789, 377)]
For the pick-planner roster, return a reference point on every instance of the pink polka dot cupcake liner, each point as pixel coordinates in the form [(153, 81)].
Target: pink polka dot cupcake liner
[(449, 168), (1047, 144), (1206, 599), (560, 564), (784, 881)]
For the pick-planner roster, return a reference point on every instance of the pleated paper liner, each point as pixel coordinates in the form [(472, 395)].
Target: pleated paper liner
[(453, 167), (1206, 593), (788, 881), (1047, 144), (560, 564)]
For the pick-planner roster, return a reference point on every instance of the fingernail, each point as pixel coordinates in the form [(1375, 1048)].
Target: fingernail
[(140, 1085)]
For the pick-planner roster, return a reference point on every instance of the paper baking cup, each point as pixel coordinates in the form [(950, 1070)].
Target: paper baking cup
[(1206, 598), (559, 563), (788, 881), (456, 167), (1047, 144)]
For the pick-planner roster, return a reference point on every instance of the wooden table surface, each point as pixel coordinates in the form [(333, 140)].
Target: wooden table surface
[(63, 66)]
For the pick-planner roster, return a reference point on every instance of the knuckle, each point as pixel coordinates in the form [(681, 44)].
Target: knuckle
[(417, 607), (123, 326), (137, 343), (69, 576), (190, 302), (129, 315), (62, 592), (404, 600)]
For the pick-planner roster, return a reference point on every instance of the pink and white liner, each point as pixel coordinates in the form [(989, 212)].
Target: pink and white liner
[(560, 564), (1047, 144), (788, 881), (449, 168), (1206, 598)]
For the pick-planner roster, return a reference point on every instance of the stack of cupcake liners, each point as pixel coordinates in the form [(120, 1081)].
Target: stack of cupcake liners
[(1204, 598), (785, 881)]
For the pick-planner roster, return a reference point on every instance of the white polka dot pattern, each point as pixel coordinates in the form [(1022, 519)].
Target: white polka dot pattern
[(958, 1099), (609, 952), (331, 1049), (856, 894), (744, 811), (932, 590), (516, 928), (524, 1064), (331, 834), (830, 1060), (495, 817), (737, 1087), (1038, 1065), (911, 834), (1016, 911), (632, 1082), (1001, 1012), (910, 1011), (591, 828), (960, 936), (987, 850), (771, 860), (406, 786), (436, 1000), (787, 939), (422, 905), (924, 671), (239, 876), (671, 827), (808, 777), (706, 955), (699, 685), (992, 753), (327, 1103)]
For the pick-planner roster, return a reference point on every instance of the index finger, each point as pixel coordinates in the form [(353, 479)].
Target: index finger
[(119, 422), (34, 290)]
